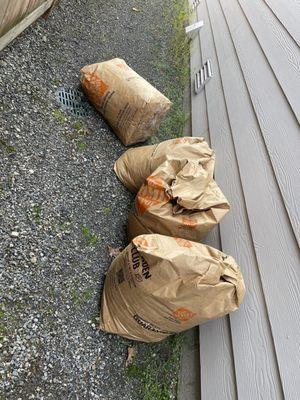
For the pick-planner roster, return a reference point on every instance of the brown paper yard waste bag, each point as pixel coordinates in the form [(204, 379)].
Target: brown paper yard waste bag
[(179, 199), (161, 285), (136, 164), (130, 104)]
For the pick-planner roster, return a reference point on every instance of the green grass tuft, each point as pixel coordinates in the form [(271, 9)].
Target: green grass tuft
[(7, 147), (175, 68), (80, 298), (81, 145), (91, 238), (58, 115), (156, 367), (37, 212), (77, 126), (106, 210)]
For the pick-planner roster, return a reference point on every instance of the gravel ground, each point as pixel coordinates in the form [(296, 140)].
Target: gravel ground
[(60, 202)]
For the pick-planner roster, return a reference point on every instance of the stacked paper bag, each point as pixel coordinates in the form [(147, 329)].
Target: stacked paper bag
[(164, 281), (177, 195)]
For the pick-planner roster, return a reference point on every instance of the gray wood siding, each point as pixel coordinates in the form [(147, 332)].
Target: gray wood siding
[(198, 106), (251, 106), (288, 12), (280, 129)]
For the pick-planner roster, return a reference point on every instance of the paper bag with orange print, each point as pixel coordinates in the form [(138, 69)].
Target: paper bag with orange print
[(130, 104), (161, 285), (136, 164), (179, 199)]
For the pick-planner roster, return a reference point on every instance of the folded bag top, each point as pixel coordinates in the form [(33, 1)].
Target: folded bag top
[(135, 165), (179, 199)]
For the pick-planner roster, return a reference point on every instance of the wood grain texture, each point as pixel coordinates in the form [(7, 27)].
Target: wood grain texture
[(3, 11), (209, 358), (198, 102), (288, 13), (216, 360), (278, 124), (281, 51), (217, 369), (16, 30), (15, 12), (275, 245), (250, 331)]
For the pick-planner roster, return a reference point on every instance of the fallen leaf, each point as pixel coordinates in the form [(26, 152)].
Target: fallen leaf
[(85, 131), (131, 353), (135, 9), (114, 251), (94, 365)]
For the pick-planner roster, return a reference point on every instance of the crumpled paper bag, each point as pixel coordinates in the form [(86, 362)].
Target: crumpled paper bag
[(161, 285), (136, 164), (181, 199)]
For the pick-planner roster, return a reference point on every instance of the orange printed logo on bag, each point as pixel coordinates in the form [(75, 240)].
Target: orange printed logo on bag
[(95, 86), (183, 242), (183, 140), (188, 222), (120, 65), (140, 241), (151, 193), (156, 182), (183, 314)]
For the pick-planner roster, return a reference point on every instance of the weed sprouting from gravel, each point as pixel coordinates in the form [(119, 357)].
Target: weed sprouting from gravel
[(55, 82), (175, 67), (80, 145), (106, 210), (80, 298), (79, 133), (37, 213), (78, 126), (7, 147), (2, 325), (58, 115), (91, 238), (10, 181), (154, 369)]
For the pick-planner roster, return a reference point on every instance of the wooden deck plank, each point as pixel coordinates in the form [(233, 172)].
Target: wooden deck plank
[(250, 331), (16, 30), (277, 122), (288, 13), (281, 51), (275, 244), (3, 11)]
